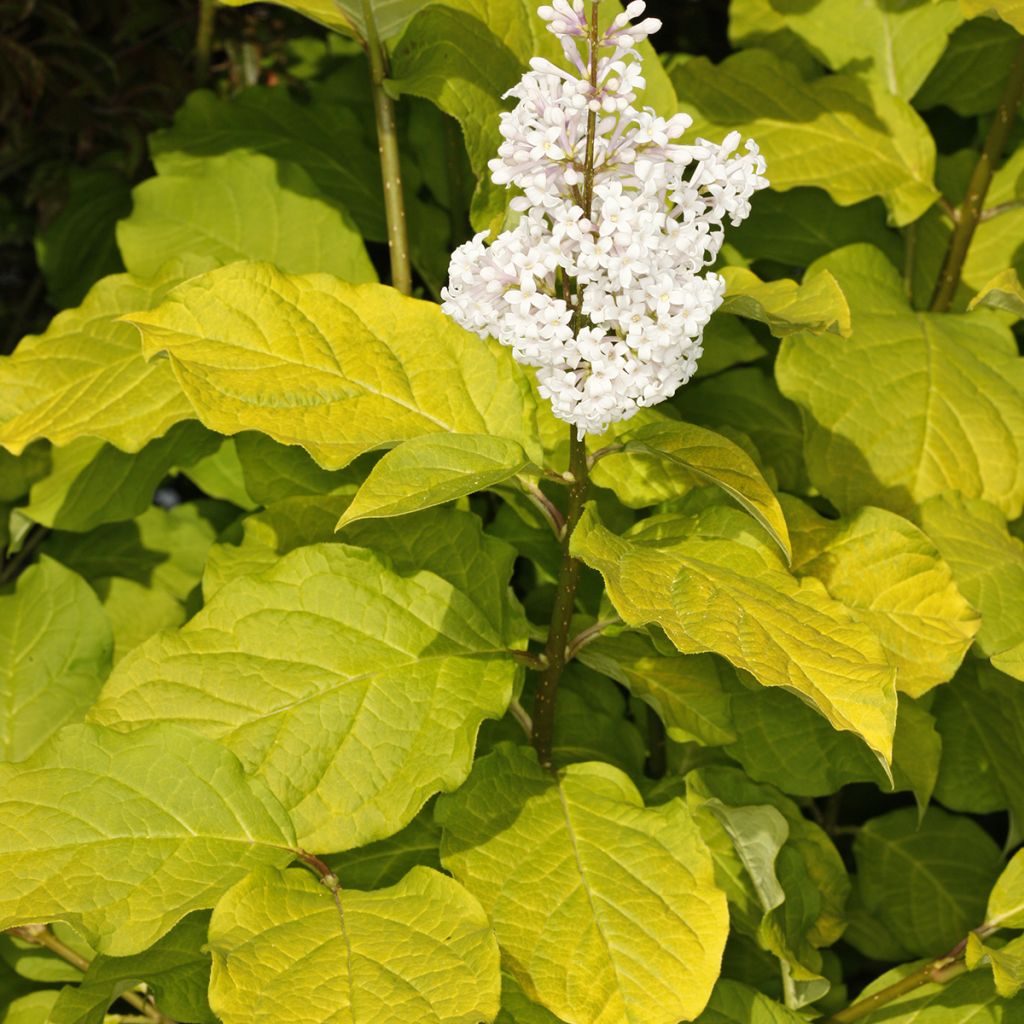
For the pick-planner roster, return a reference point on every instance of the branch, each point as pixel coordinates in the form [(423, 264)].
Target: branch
[(40, 935), (204, 39), (588, 635), (969, 214), (390, 163), (20, 560), (548, 509)]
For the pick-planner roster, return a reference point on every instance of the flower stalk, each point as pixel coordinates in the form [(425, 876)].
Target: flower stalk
[(390, 163)]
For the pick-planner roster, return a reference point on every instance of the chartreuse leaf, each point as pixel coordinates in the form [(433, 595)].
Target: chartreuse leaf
[(206, 208), (367, 704), (174, 968), (220, 475), (85, 376), (727, 342), (431, 470), (1011, 11), (1006, 962), (19, 472), (890, 576), (850, 137), (285, 948), (611, 913), (895, 45), (121, 835), (1004, 292), (874, 431), (273, 472), (55, 648), (1006, 901), (340, 369), (735, 1003), (987, 563), (980, 716), (33, 1008), (92, 482), (818, 305), (793, 635), (712, 458), (926, 882)]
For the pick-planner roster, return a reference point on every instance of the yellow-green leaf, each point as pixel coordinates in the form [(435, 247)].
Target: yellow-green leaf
[(241, 206), (339, 369), (121, 835), (714, 459), (852, 138), (818, 305), (285, 948), (911, 404), (891, 577), (347, 16), (55, 648), (715, 594), (365, 705), (611, 915), (431, 470), (85, 376)]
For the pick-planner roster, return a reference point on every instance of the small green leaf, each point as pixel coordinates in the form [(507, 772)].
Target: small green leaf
[(714, 459), (432, 470), (340, 369), (818, 305), (852, 138), (55, 648), (367, 704), (1004, 292), (926, 883), (209, 208), (793, 634), (284, 948), (595, 928), (1006, 962), (71, 845), (174, 969)]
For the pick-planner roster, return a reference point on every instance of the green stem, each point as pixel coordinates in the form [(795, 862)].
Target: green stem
[(204, 39), (18, 562), (40, 935), (970, 209), (556, 651), (390, 163)]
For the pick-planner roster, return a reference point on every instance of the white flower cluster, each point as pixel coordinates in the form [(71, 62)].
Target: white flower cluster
[(609, 304)]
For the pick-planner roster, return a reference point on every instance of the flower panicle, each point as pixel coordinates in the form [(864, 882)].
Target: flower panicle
[(609, 307)]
